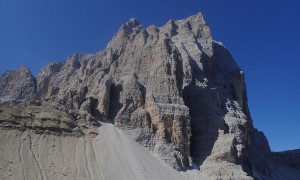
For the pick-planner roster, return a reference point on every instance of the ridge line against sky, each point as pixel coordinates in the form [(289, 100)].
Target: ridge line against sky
[(263, 37)]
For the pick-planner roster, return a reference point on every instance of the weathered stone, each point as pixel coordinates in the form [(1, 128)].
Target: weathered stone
[(50, 117), (17, 85)]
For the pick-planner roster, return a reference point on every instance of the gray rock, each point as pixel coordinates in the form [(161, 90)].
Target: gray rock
[(17, 85)]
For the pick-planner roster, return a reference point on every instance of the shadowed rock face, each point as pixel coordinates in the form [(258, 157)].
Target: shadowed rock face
[(173, 89)]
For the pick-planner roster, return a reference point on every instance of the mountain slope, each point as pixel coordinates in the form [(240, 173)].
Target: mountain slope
[(110, 155)]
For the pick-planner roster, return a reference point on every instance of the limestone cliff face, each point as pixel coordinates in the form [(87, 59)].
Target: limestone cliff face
[(173, 89)]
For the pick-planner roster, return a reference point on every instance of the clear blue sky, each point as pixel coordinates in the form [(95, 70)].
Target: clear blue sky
[(262, 35)]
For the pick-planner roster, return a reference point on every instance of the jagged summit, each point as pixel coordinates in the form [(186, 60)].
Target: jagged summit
[(132, 23), (17, 85), (173, 89)]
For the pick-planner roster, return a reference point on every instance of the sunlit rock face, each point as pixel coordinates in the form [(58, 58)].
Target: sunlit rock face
[(173, 89), (17, 85)]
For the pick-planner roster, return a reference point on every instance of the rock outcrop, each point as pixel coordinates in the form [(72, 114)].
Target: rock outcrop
[(173, 89), (17, 85)]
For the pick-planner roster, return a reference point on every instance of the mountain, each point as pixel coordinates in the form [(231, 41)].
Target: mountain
[(172, 89)]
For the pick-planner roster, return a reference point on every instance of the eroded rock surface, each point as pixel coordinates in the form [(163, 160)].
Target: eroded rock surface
[(173, 89), (17, 85)]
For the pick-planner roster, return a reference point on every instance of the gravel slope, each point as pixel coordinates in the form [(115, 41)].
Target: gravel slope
[(110, 155)]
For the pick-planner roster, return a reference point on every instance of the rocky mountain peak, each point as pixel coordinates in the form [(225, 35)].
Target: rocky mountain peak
[(24, 71), (132, 23), (172, 89), (197, 19), (51, 68), (19, 85)]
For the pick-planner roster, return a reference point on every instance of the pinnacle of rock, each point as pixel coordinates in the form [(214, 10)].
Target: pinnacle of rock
[(17, 85), (132, 23)]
